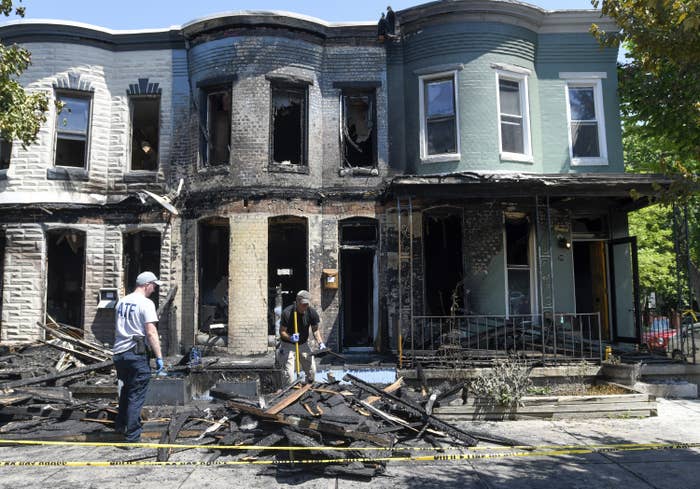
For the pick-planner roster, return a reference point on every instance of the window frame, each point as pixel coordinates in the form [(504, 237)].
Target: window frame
[(372, 94), (522, 79), (594, 81), (423, 80), (303, 90), (132, 99), (75, 94), (531, 266), (206, 91)]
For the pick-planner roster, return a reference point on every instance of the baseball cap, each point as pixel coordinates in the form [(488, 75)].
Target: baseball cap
[(303, 297), (146, 278)]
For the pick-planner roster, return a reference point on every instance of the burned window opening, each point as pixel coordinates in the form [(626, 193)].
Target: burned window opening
[(289, 125), (5, 153), (517, 231), (145, 117), (216, 128), (141, 252), (287, 261), (213, 257), (358, 127), (358, 232), (72, 129), (65, 276), (444, 275)]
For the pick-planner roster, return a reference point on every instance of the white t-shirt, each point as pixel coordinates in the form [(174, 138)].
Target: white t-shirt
[(132, 313)]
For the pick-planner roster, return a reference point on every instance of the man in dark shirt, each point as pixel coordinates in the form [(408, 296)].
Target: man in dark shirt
[(306, 317)]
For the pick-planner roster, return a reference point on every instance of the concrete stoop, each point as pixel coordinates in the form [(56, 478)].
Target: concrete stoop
[(679, 389)]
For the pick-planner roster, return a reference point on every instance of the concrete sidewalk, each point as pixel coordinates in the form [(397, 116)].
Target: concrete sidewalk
[(678, 421)]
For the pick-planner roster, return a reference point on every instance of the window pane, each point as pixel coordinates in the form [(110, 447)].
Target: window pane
[(519, 291), (5, 153), (70, 152), (509, 93), (144, 133), (219, 127), (584, 138), (439, 98), (517, 242), (441, 136), (288, 130), (358, 130), (582, 103), (74, 115), (512, 135)]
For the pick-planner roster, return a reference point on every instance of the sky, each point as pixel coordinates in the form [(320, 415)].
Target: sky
[(146, 14)]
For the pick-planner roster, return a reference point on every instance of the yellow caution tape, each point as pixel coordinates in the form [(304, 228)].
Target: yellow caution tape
[(541, 451)]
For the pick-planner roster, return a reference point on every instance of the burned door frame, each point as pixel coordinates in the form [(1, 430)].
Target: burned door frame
[(367, 245), (126, 267), (272, 283), (442, 210), (211, 221), (47, 235)]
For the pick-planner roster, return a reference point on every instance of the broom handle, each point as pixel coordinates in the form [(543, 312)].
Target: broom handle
[(296, 331)]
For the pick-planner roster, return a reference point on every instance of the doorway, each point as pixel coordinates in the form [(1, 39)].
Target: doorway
[(591, 281), (65, 276), (213, 259), (287, 262), (141, 253), (358, 279), (442, 244)]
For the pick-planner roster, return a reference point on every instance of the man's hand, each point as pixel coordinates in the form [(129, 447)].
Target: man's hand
[(322, 346), (294, 338), (159, 365)]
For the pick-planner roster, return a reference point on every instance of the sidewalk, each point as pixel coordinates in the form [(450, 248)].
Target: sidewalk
[(678, 421)]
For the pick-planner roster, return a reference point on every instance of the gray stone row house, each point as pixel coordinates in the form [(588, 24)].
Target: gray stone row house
[(457, 186)]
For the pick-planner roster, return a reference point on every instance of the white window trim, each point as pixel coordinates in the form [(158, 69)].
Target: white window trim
[(588, 80), (424, 157), (78, 94), (532, 267), (521, 78)]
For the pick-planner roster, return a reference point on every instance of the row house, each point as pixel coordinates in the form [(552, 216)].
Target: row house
[(455, 187)]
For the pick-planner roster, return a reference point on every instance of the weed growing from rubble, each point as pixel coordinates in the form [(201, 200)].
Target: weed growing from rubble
[(505, 384)]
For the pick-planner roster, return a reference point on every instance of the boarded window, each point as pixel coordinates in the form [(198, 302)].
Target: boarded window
[(289, 125), (358, 129), (145, 119), (5, 153), (216, 133), (72, 125), (440, 116)]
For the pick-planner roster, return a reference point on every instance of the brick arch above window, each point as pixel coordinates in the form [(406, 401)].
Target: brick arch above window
[(144, 87), (73, 81)]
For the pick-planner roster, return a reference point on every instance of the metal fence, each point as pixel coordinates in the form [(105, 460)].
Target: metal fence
[(672, 338), (464, 340)]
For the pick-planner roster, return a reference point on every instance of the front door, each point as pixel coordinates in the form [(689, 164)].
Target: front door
[(624, 278)]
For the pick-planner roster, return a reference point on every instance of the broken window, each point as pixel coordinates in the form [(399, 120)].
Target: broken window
[(65, 251), (213, 258), (358, 129), (517, 231), (141, 253), (72, 129), (216, 127), (289, 124), (439, 115), (513, 114), (145, 117), (5, 153), (442, 244)]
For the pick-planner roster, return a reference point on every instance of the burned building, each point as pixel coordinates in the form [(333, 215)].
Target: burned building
[(458, 186)]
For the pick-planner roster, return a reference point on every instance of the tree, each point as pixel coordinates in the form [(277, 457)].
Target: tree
[(21, 113), (660, 85)]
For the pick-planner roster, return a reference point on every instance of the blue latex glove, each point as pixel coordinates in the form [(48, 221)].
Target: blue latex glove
[(322, 346), (294, 338), (159, 365)]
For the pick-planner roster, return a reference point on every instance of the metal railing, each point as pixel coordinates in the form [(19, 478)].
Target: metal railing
[(458, 340), (671, 338)]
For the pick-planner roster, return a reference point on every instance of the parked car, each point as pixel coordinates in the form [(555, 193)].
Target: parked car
[(659, 334)]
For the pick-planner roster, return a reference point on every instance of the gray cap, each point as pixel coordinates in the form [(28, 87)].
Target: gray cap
[(146, 278), (303, 297)]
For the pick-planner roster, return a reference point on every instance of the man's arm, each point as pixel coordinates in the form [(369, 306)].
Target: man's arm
[(153, 340)]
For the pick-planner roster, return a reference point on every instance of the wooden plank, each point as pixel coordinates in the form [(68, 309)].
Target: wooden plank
[(73, 351), (170, 435), (549, 408), (388, 389), (290, 399), (61, 375)]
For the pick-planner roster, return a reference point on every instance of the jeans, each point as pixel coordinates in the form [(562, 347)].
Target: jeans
[(288, 359), (135, 373)]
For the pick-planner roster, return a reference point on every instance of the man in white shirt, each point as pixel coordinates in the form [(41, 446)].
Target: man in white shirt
[(135, 327)]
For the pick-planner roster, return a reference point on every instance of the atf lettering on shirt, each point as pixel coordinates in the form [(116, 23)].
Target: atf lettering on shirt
[(133, 313), (126, 309)]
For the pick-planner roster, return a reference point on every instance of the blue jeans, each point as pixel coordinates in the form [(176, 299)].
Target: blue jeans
[(135, 373)]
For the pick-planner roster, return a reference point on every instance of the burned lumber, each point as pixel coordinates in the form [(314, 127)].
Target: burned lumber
[(418, 412), (170, 434), (290, 399), (73, 372)]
